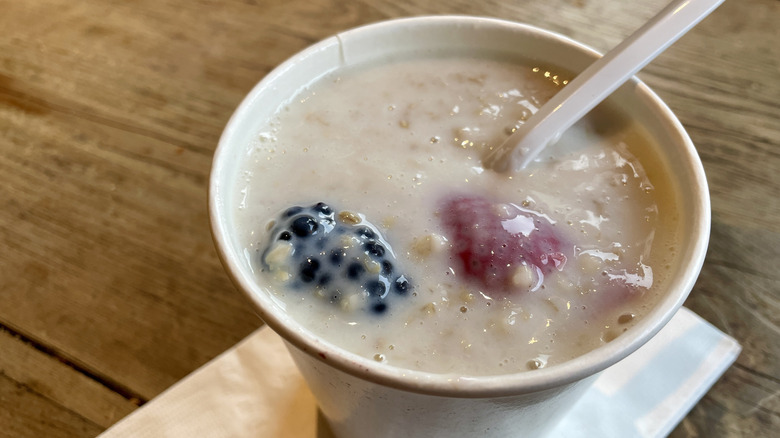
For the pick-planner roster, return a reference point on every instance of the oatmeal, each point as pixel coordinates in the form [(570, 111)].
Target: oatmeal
[(501, 272)]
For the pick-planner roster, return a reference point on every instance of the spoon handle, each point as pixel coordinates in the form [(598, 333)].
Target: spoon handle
[(597, 82)]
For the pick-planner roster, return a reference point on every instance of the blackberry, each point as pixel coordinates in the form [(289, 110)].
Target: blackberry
[(355, 270), (304, 226), (324, 279), (387, 267), (346, 262), (292, 211), (337, 256), (365, 233), (308, 271), (374, 249), (379, 307), (401, 285), (375, 288), (323, 208)]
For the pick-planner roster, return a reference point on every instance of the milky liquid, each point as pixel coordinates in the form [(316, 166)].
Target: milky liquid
[(391, 141)]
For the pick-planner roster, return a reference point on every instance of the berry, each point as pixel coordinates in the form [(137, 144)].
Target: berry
[(309, 270), (379, 308), (401, 285), (337, 256), (355, 270), (491, 242), (324, 279), (292, 211), (312, 249), (323, 209), (365, 233), (304, 226), (374, 249), (375, 288)]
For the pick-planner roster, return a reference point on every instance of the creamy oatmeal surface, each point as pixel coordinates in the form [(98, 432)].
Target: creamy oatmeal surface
[(400, 146)]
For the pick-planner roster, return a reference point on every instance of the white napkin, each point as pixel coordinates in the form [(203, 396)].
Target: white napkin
[(254, 390)]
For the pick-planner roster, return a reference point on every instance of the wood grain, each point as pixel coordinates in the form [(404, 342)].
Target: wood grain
[(110, 289), (25, 413), (48, 377)]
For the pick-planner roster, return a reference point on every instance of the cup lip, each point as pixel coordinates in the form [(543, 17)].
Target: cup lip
[(451, 385)]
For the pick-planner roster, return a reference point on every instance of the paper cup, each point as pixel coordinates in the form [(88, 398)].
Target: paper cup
[(360, 397)]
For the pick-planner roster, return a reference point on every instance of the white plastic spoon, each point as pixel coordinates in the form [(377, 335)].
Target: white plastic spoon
[(597, 82)]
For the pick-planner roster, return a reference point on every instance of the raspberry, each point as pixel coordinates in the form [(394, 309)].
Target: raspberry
[(344, 261), (493, 243)]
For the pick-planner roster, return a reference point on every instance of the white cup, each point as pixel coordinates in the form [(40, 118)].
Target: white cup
[(362, 398)]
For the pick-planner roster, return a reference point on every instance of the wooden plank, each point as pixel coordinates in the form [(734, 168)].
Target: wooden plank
[(737, 292), (721, 94), (104, 239), (103, 219), (741, 404), (24, 413), (45, 376)]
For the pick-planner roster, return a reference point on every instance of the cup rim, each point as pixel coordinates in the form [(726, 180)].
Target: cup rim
[(451, 385)]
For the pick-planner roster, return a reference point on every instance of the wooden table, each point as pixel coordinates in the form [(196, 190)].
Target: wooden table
[(110, 289)]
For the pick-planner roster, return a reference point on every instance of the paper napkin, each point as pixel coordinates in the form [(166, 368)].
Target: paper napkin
[(254, 390)]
